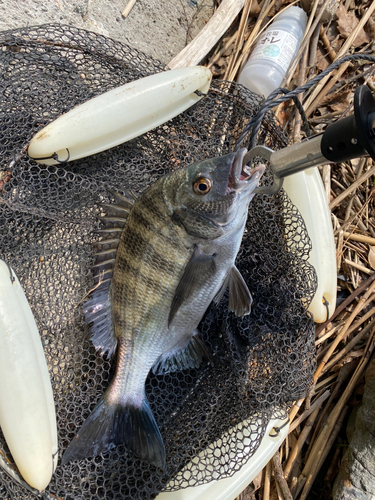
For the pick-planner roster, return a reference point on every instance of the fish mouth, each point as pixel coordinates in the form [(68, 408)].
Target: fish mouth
[(241, 176)]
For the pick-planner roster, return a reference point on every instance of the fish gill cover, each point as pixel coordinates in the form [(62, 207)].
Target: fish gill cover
[(258, 365)]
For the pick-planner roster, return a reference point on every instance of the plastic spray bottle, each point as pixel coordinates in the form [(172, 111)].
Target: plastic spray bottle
[(274, 51)]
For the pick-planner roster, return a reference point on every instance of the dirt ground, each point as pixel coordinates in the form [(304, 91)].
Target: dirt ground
[(160, 29)]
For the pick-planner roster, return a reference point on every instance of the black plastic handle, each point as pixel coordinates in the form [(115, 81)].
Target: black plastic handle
[(354, 136)]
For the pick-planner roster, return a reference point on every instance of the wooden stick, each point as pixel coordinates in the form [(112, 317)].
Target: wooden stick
[(198, 48), (128, 8)]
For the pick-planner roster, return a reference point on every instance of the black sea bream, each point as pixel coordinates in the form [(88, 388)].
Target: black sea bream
[(174, 257)]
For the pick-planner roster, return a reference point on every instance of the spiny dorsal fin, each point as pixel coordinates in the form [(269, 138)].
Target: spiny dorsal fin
[(126, 200)]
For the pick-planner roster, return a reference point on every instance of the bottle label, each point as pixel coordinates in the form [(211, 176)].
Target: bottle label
[(278, 46)]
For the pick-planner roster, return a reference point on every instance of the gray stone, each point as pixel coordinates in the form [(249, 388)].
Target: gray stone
[(159, 29), (356, 478)]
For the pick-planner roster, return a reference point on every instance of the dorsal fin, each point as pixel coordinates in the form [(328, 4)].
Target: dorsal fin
[(98, 310)]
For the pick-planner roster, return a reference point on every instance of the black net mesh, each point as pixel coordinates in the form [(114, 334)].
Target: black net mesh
[(48, 216)]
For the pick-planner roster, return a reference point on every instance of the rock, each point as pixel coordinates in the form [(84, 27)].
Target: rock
[(356, 478), (159, 29)]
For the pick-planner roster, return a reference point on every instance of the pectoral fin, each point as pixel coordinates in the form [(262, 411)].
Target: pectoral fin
[(240, 299), (198, 271)]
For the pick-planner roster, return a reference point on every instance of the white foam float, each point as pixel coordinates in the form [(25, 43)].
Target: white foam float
[(229, 488), (306, 191), (27, 410), (120, 115)]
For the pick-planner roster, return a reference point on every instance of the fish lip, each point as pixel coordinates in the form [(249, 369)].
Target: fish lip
[(250, 177)]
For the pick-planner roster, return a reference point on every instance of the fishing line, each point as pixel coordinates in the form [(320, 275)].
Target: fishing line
[(273, 99)]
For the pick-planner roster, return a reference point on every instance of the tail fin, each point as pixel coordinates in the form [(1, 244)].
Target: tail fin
[(113, 424)]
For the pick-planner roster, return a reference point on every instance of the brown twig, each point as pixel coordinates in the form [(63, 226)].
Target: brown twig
[(331, 53), (279, 476)]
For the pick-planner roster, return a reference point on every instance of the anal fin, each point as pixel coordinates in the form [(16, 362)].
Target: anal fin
[(189, 356)]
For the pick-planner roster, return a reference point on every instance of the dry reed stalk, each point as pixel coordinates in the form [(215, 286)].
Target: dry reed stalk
[(355, 326), (327, 381), (240, 35), (350, 345), (342, 376), (199, 47), (220, 52), (310, 28), (328, 334), (297, 449), (351, 188), (317, 404), (320, 91), (320, 442), (128, 8), (279, 476), (301, 79), (267, 481), (326, 449), (344, 330), (335, 76), (331, 53), (266, 7), (313, 48), (360, 267), (346, 302), (359, 237)]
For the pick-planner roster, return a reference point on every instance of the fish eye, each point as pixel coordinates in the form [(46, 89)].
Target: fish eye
[(202, 185)]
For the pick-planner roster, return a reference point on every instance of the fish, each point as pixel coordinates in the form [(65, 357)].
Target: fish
[(169, 253)]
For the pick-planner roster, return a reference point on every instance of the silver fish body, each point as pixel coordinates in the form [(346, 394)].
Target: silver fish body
[(175, 256)]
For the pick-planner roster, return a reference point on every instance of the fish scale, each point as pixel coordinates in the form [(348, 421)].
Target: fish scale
[(175, 256)]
